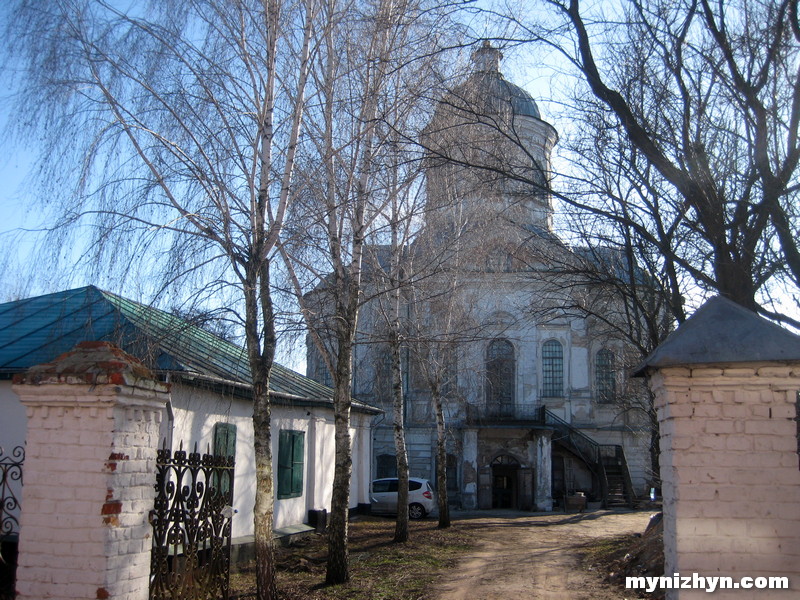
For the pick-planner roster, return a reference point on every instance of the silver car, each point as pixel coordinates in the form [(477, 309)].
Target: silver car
[(383, 497)]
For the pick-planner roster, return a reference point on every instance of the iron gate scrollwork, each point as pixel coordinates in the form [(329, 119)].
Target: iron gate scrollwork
[(10, 486), (191, 521), (10, 490)]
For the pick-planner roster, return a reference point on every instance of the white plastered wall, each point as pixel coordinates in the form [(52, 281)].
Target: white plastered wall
[(196, 411)]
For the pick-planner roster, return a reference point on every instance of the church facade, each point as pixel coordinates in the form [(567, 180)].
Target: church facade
[(531, 390)]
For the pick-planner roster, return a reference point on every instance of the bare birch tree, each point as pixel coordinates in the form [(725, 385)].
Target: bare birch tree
[(441, 322), (391, 279), (171, 133), (368, 64)]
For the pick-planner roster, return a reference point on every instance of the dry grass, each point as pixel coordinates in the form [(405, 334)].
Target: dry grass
[(379, 569)]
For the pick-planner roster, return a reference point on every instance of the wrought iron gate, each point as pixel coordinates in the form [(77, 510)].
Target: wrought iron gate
[(10, 488), (191, 521)]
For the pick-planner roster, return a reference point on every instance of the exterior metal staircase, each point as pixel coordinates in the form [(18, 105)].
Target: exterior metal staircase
[(606, 461), (619, 490)]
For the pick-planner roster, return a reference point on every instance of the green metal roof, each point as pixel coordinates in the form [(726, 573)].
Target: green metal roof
[(36, 330)]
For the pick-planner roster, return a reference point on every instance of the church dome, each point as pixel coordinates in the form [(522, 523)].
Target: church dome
[(488, 92)]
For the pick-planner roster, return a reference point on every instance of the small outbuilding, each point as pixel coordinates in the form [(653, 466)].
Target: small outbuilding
[(210, 400), (726, 385)]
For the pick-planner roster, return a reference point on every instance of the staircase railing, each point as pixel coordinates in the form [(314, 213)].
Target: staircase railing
[(591, 452), (580, 443), (616, 454), (626, 473)]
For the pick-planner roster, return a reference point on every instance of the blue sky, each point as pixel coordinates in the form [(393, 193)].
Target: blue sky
[(16, 204), (20, 210)]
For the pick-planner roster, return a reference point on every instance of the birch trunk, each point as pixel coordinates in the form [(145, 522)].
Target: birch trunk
[(257, 296), (441, 460), (401, 526), (338, 566)]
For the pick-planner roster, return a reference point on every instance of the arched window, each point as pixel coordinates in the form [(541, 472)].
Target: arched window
[(500, 376), (323, 375), (552, 369), (605, 378)]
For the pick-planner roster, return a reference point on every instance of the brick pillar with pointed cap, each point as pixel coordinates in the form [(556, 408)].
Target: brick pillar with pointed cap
[(725, 385), (93, 425)]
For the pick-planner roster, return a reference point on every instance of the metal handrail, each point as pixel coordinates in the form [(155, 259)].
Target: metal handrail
[(591, 447)]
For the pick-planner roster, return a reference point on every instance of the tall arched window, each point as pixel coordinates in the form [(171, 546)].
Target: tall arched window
[(552, 369), (605, 378), (500, 376)]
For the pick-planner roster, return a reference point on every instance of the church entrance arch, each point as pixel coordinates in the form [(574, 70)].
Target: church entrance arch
[(505, 481)]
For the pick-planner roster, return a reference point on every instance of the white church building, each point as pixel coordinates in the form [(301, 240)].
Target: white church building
[(532, 392)]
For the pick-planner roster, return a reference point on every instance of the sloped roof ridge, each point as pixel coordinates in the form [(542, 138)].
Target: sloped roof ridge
[(171, 331), (235, 358), (34, 328), (12, 315)]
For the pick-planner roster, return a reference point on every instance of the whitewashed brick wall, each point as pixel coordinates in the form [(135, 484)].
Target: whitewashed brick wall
[(89, 486), (729, 468)]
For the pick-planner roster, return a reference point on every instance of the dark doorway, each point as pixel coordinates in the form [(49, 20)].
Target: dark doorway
[(505, 470)]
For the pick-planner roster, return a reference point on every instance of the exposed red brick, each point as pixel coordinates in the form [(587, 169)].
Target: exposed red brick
[(102, 594), (111, 464), (95, 344), (87, 361), (112, 365), (113, 507)]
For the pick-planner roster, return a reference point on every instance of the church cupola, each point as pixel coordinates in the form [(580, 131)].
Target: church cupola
[(486, 59), (489, 151)]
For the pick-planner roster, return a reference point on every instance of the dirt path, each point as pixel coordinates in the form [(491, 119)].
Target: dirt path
[(530, 557)]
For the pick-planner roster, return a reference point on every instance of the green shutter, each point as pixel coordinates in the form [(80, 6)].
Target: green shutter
[(290, 463), (297, 464), (224, 445), (284, 464), (225, 440)]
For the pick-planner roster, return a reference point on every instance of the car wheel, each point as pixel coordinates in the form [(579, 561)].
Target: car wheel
[(416, 511)]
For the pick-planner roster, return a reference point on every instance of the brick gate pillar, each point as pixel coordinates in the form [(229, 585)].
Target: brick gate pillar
[(725, 386), (93, 425)]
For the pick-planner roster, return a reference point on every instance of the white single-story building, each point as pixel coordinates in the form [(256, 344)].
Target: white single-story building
[(210, 399)]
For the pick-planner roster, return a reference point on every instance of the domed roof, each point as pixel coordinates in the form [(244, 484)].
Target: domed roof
[(490, 90), (505, 92)]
